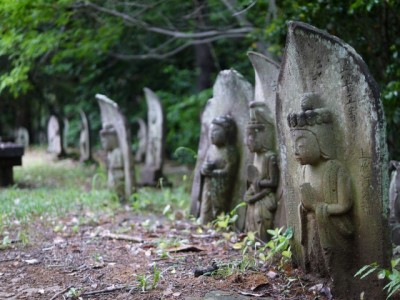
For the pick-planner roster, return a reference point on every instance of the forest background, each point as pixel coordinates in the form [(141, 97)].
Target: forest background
[(55, 55)]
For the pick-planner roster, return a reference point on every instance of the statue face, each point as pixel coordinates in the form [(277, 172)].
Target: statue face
[(306, 148), (217, 135), (109, 141), (255, 140)]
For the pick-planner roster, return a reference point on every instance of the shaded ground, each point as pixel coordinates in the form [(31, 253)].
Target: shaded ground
[(128, 253)]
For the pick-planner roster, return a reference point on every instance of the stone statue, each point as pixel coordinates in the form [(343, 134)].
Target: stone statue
[(326, 194), (219, 169), (115, 159), (140, 155), (266, 78), (55, 137), (394, 201), (152, 171), (85, 146), (115, 138), (263, 174), (231, 96), (22, 137), (333, 158)]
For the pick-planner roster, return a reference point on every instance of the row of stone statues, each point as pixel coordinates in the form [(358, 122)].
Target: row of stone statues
[(314, 157), (115, 139), (305, 149)]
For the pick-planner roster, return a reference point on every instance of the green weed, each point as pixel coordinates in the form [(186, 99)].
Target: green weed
[(392, 275)]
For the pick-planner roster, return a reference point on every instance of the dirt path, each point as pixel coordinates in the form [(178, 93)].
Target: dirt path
[(104, 251)]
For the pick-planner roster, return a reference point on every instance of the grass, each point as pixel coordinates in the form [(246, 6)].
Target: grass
[(47, 188)]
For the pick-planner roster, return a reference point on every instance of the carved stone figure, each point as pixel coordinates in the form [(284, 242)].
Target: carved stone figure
[(54, 136), (333, 155), (326, 194), (115, 159), (85, 146), (22, 137), (266, 78), (263, 174), (394, 201), (152, 171), (219, 169), (140, 155), (115, 139), (231, 96)]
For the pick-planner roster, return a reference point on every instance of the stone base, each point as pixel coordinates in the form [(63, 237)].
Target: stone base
[(151, 177)]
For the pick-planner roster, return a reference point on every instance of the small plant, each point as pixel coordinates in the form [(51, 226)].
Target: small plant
[(5, 243), (392, 275), (224, 222), (144, 280), (74, 293), (279, 244)]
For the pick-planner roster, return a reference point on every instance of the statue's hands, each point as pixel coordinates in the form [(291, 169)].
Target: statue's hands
[(217, 173), (206, 169), (322, 209), (307, 196)]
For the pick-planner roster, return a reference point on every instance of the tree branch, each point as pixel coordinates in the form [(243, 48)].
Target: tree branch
[(155, 55), (168, 32)]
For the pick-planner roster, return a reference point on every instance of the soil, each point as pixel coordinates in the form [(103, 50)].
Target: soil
[(88, 262)]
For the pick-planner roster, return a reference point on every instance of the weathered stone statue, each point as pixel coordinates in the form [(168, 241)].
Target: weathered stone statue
[(219, 169), (152, 171), (263, 174), (115, 159), (394, 201), (22, 137), (231, 96), (326, 193), (54, 136), (333, 161), (115, 139), (266, 78), (140, 155), (85, 146)]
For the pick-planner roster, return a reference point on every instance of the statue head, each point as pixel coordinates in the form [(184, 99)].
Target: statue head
[(311, 131), (223, 131), (109, 137), (260, 130)]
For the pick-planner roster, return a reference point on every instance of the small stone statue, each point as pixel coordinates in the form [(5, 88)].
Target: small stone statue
[(325, 192), (115, 160), (85, 148), (219, 169), (263, 174)]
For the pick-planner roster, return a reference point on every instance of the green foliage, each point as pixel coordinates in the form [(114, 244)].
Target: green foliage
[(225, 222), (279, 244), (392, 275), (183, 120), (149, 282)]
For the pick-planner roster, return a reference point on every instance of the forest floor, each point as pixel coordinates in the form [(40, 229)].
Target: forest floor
[(64, 236)]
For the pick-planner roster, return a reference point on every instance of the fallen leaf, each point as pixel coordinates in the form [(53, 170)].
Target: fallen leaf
[(272, 274), (185, 248), (252, 294), (124, 237), (32, 261)]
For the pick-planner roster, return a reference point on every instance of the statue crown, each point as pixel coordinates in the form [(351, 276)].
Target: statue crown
[(310, 114)]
